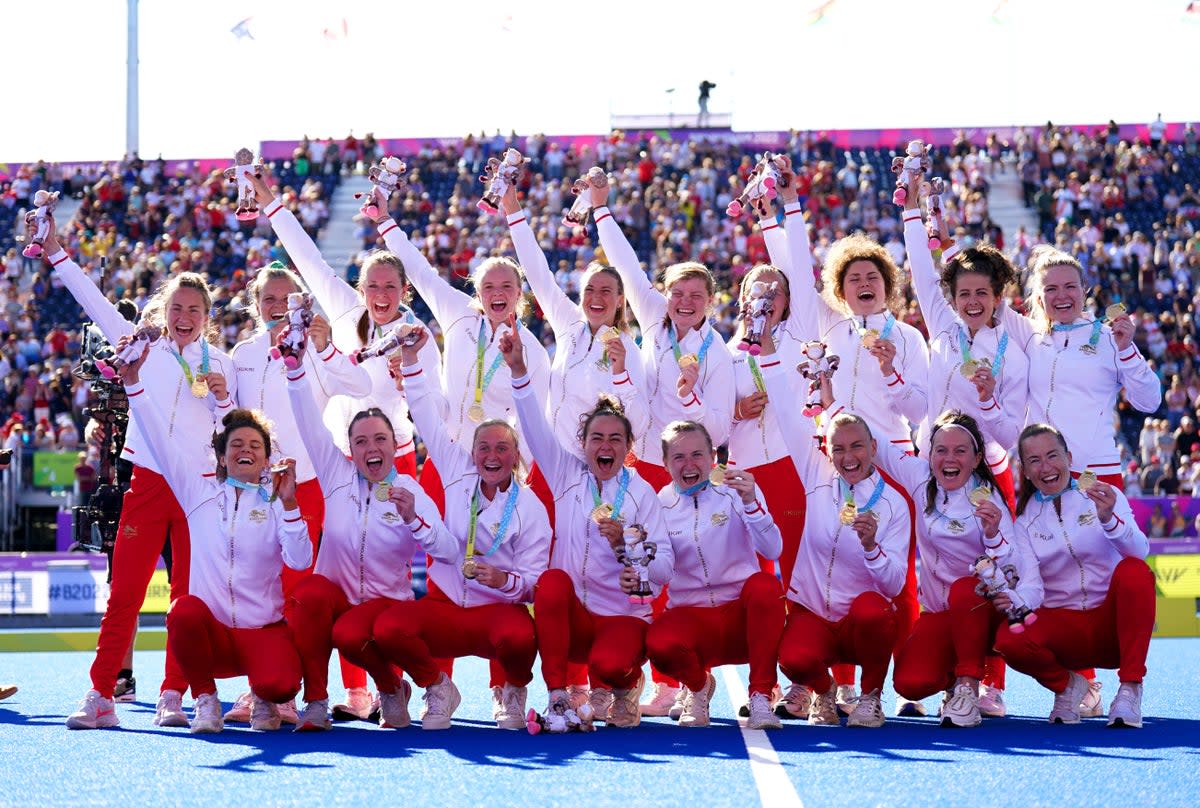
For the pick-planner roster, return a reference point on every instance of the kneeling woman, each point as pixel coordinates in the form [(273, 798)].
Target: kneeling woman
[(721, 608), (231, 622), (962, 514), (852, 562), (1098, 604), (501, 540)]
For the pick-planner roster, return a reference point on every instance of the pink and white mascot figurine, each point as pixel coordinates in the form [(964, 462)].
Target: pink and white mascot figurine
[(499, 175), (767, 176), (595, 178), (933, 200), (756, 309), (401, 335), (143, 337), (561, 717), (995, 579), (37, 223), (387, 179), (909, 169), (294, 337), (816, 367), (244, 166)]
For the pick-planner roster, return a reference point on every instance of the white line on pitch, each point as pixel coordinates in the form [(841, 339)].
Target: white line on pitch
[(774, 786)]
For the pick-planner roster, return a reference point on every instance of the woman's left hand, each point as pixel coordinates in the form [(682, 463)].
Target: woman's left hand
[(488, 575), (985, 382), (285, 485), (688, 377), (318, 333), (743, 483), (865, 526), (1122, 329)]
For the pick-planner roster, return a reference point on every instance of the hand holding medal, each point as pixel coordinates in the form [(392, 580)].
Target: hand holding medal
[(986, 511), (1103, 494), (212, 383), (614, 351), (612, 530), (742, 482), (284, 482), (689, 373), (1121, 324), (404, 501), (865, 524)]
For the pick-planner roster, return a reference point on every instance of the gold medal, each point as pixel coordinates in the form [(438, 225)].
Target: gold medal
[(383, 492), (199, 387), (869, 338), (469, 568), (848, 513), (1086, 480), (979, 495), (717, 475), (602, 511), (277, 472), (475, 412), (968, 368), (610, 335), (1114, 311), (687, 360)]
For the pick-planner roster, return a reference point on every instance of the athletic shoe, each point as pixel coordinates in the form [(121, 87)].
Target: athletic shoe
[(441, 700), (795, 703), (962, 708), (393, 707), (676, 711), (578, 695), (240, 711), (94, 712), (1066, 703), (356, 707), (1126, 708), (663, 700), (264, 716), (126, 690), (287, 712), (822, 710), (991, 702), (761, 716), (206, 717), (169, 712), (847, 698), (508, 706), (626, 711), (601, 699), (695, 704), (868, 712), (315, 717), (909, 709), (1091, 705), (776, 695), (7, 691)]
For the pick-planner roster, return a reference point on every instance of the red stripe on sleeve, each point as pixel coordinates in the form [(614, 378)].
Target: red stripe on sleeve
[(767, 227), (59, 261), (518, 221), (1132, 354), (602, 217), (899, 380), (389, 229)]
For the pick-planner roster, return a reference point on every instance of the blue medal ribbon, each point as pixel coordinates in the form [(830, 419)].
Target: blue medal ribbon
[(848, 494), (510, 505), (1000, 349), (703, 346), (261, 489), (693, 490), (1040, 497), (621, 488)]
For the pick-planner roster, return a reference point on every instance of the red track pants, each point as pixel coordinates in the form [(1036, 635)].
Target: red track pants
[(863, 637)]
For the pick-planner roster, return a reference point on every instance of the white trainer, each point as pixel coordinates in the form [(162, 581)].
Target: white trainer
[(169, 712), (1066, 703), (315, 717), (626, 711), (1126, 707), (847, 698), (207, 715), (696, 703), (909, 709), (962, 708), (795, 703), (761, 715), (662, 701), (287, 712), (1091, 705), (601, 701), (356, 707), (94, 712), (868, 712), (441, 700), (579, 695), (393, 707), (508, 706), (676, 711), (776, 696), (239, 713), (991, 702), (264, 716), (822, 709)]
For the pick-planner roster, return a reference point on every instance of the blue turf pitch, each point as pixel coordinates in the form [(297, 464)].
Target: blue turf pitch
[(1015, 761)]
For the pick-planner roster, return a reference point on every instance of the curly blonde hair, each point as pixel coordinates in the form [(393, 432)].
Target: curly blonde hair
[(858, 247)]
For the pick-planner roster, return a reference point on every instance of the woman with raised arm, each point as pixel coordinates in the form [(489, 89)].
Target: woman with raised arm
[(358, 318), (721, 608), (375, 520), (961, 517), (851, 563), (243, 532), (604, 512), (196, 387), (1098, 603), (500, 547)]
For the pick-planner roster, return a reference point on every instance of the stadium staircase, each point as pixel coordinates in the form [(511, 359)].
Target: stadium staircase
[(1006, 205), (339, 240)]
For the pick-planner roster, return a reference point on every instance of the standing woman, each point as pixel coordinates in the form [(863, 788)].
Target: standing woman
[(500, 545), (243, 533), (851, 564), (1098, 603), (582, 604), (196, 387)]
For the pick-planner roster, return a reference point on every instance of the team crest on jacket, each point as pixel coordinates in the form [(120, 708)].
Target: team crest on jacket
[(390, 517), (719, 518), (1087, 518), (258, 516)]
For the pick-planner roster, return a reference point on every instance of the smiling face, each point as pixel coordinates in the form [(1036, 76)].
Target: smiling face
[(863, 288), (952, 458), (498, 291), (372, 447), (605, 444), (687, 303), (272, 299), (382, 291), (601, 299), (1045, 463), (689, 458), (974, 299), (852, 451), (1062, 293), (187, 315), (495, 453), (245, 454)]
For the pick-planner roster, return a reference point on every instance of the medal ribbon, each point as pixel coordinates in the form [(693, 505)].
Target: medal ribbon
[(482, 380), (848, 495), (1000, 349), (1040, 497), (510, 505), (888, 325), (388, 480), (620, 500), (693, 490), (1096, 326), (757, 374), (703, 346), (187, 369), (261, 489)]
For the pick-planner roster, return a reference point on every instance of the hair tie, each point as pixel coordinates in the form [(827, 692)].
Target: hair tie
[(955, 425)]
